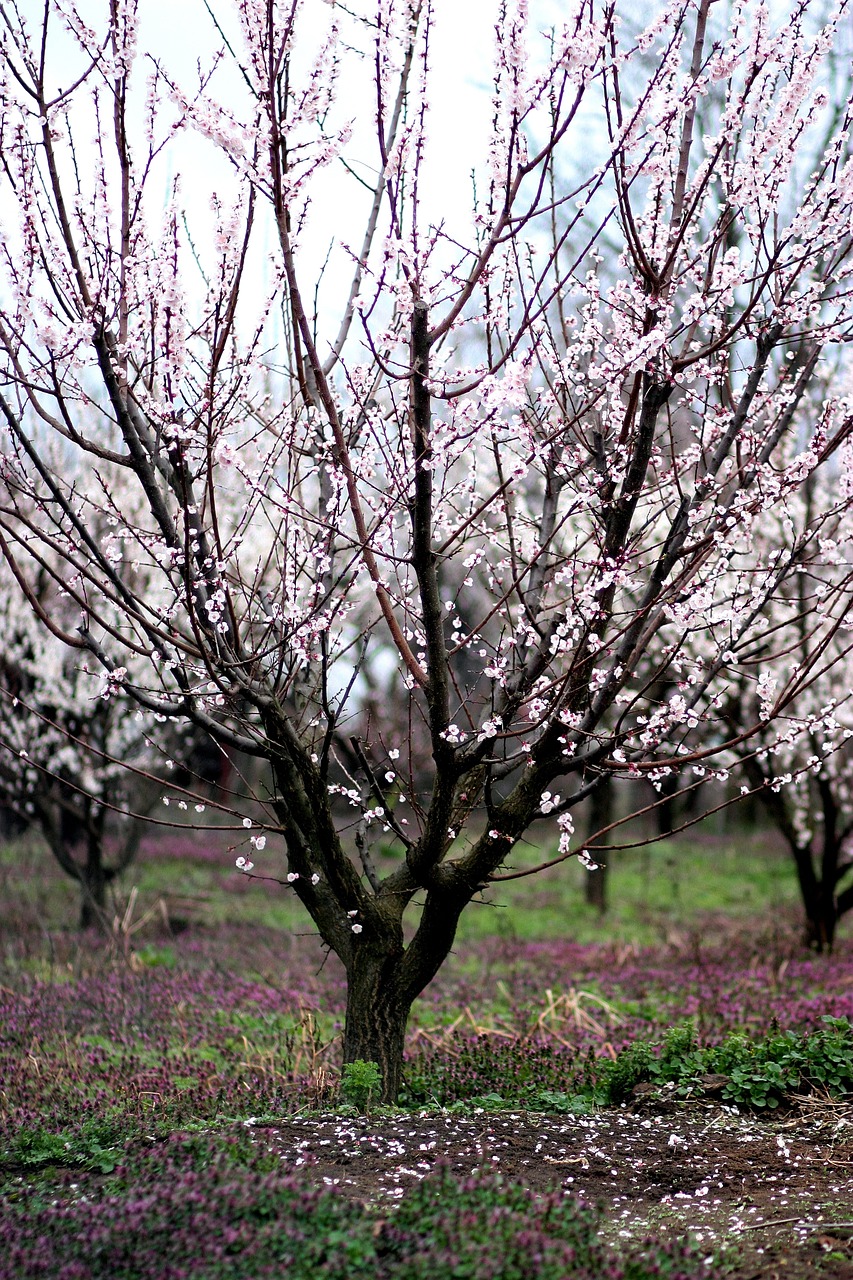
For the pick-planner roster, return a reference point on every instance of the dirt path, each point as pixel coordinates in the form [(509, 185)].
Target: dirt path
[(780, 1192)]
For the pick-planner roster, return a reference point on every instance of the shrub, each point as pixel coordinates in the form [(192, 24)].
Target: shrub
[(760, 1073), (518, 1070)]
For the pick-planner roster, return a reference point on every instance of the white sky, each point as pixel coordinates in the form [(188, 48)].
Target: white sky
[(180, 32)]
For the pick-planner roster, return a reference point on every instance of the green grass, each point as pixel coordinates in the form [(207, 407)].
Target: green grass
[(670, 887), (673, 885)]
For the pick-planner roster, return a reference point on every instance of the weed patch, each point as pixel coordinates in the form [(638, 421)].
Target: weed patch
[(199, 1208), (360, 1083), (756, 1073)]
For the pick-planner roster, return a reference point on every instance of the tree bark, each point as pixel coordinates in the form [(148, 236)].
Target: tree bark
[(818, 896), (600, 816), (376, 1016), (93, 879), (821, 919)]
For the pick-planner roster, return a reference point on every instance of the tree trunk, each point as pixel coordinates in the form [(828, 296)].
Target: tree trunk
[(376, 1017), (821, 919), (93, 896), (665, 810), (600, 816), (596, 883), (94, 874), (818, 896)]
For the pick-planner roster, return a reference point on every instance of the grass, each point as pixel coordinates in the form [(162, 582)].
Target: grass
[(246, 988), (160, 1034), (671, 887)]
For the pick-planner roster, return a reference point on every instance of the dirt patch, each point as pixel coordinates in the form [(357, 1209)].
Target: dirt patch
[(777, 1194)]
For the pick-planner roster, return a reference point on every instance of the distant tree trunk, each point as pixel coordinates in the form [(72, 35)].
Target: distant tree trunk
[(822, 903), (675, 803), (600, 816), (93, 879), (819, 903), (818, 861), (665, 809), (65, 828), (13, 823), (93, 875)]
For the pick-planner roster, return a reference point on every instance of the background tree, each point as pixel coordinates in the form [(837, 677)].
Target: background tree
[(77, 763), (517, 484), (799, 766)]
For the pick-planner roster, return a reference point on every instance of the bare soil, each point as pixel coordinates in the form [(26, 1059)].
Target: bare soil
[(775, 1195)]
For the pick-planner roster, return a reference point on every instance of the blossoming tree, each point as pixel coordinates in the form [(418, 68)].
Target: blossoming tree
[(798, 766), (505, 464), (81, 768)]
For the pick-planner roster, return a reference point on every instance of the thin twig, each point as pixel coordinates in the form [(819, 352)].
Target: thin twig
[(805, 1222)]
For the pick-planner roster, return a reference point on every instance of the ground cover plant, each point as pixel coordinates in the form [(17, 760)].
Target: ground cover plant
[(215, 1209), (205, 1062)]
